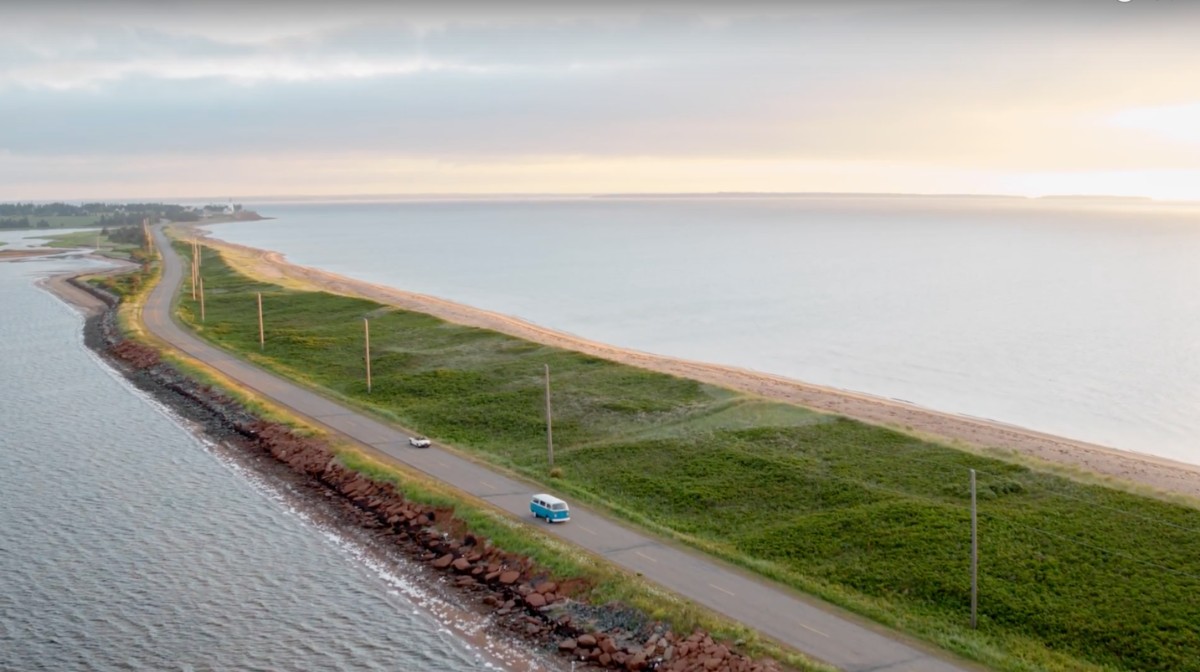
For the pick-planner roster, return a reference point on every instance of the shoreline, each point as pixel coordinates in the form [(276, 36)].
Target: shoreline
[(512, 611), (1104, 463)]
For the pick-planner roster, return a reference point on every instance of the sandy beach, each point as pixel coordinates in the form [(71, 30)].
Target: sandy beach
[(1076, 457)]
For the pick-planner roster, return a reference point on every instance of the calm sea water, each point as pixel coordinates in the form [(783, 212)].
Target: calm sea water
[(1078, 319), (128, 544)]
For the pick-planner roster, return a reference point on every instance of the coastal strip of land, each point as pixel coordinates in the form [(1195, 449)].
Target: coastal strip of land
[(1082, 458)]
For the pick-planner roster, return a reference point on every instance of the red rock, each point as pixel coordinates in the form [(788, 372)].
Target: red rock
[(547, 587), (461, 565), (567, 645), (712, 663), (535, 600), (604, 659), (510, 577), (444, 561), (637, 662), (586, 640)]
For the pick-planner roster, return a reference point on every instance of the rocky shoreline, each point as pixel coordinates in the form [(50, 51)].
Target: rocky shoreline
[(522, 599)]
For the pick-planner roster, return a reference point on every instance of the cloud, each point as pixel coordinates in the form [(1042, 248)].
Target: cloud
[(970, 86)]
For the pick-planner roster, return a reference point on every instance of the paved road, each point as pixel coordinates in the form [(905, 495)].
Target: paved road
[(774, 611)]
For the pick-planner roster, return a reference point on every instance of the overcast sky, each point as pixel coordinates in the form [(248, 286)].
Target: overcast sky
[(214, 99)]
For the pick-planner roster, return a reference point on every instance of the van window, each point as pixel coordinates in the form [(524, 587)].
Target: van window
[(559, 507)]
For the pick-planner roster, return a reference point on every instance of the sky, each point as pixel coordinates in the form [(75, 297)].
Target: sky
[(112, 100)]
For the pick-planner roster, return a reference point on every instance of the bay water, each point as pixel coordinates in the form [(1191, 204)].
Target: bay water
[(130, 544)]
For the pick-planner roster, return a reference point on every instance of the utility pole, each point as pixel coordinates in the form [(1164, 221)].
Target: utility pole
[(201, 298), (974, 553), (262, 343), (549, 423), (195, 266), (367, 336)]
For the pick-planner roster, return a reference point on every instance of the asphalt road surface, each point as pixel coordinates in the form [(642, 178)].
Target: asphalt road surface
[(774, 611)]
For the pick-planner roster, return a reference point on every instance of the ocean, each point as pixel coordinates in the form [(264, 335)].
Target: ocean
[(1078, 318)]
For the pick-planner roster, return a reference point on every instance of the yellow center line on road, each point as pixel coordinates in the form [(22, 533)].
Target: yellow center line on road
[(720, 589), (586, 529), (810, 629), (646, 556), (488, 485)]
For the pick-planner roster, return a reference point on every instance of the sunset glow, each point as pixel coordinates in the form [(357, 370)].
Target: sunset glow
[(997, 96)]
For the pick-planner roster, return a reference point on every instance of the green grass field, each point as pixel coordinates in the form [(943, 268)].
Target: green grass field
[(1072, 576)]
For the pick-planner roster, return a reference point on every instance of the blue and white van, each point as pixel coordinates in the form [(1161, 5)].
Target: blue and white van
[(550, 508)]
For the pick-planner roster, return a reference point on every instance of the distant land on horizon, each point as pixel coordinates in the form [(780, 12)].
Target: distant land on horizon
[(600, 195)]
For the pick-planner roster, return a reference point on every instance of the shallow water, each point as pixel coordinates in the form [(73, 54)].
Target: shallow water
[(1077, 319), (130, 544)]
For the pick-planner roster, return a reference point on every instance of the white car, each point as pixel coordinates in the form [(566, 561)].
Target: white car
[(418, 442)]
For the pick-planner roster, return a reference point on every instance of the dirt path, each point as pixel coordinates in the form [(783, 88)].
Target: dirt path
[(1108, 464)]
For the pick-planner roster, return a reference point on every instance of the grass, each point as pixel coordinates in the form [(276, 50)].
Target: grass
[(1073, 576), (88, 240)]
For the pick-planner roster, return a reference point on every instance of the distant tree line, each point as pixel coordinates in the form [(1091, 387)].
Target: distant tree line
[(32, 215), (23, 223)]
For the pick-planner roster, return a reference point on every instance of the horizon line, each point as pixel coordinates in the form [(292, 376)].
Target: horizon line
[(601, 194)]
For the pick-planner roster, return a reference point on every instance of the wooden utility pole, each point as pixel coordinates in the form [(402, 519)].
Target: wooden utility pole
[(201, 298), (974, 553), (262, 343), (195, 266), (367, 336), (549, 423)]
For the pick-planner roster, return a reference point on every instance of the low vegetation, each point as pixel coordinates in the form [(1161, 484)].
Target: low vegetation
[(126, 242), (1072, 576)]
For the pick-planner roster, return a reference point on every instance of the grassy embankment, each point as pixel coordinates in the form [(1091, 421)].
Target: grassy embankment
[(1072, 577)]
